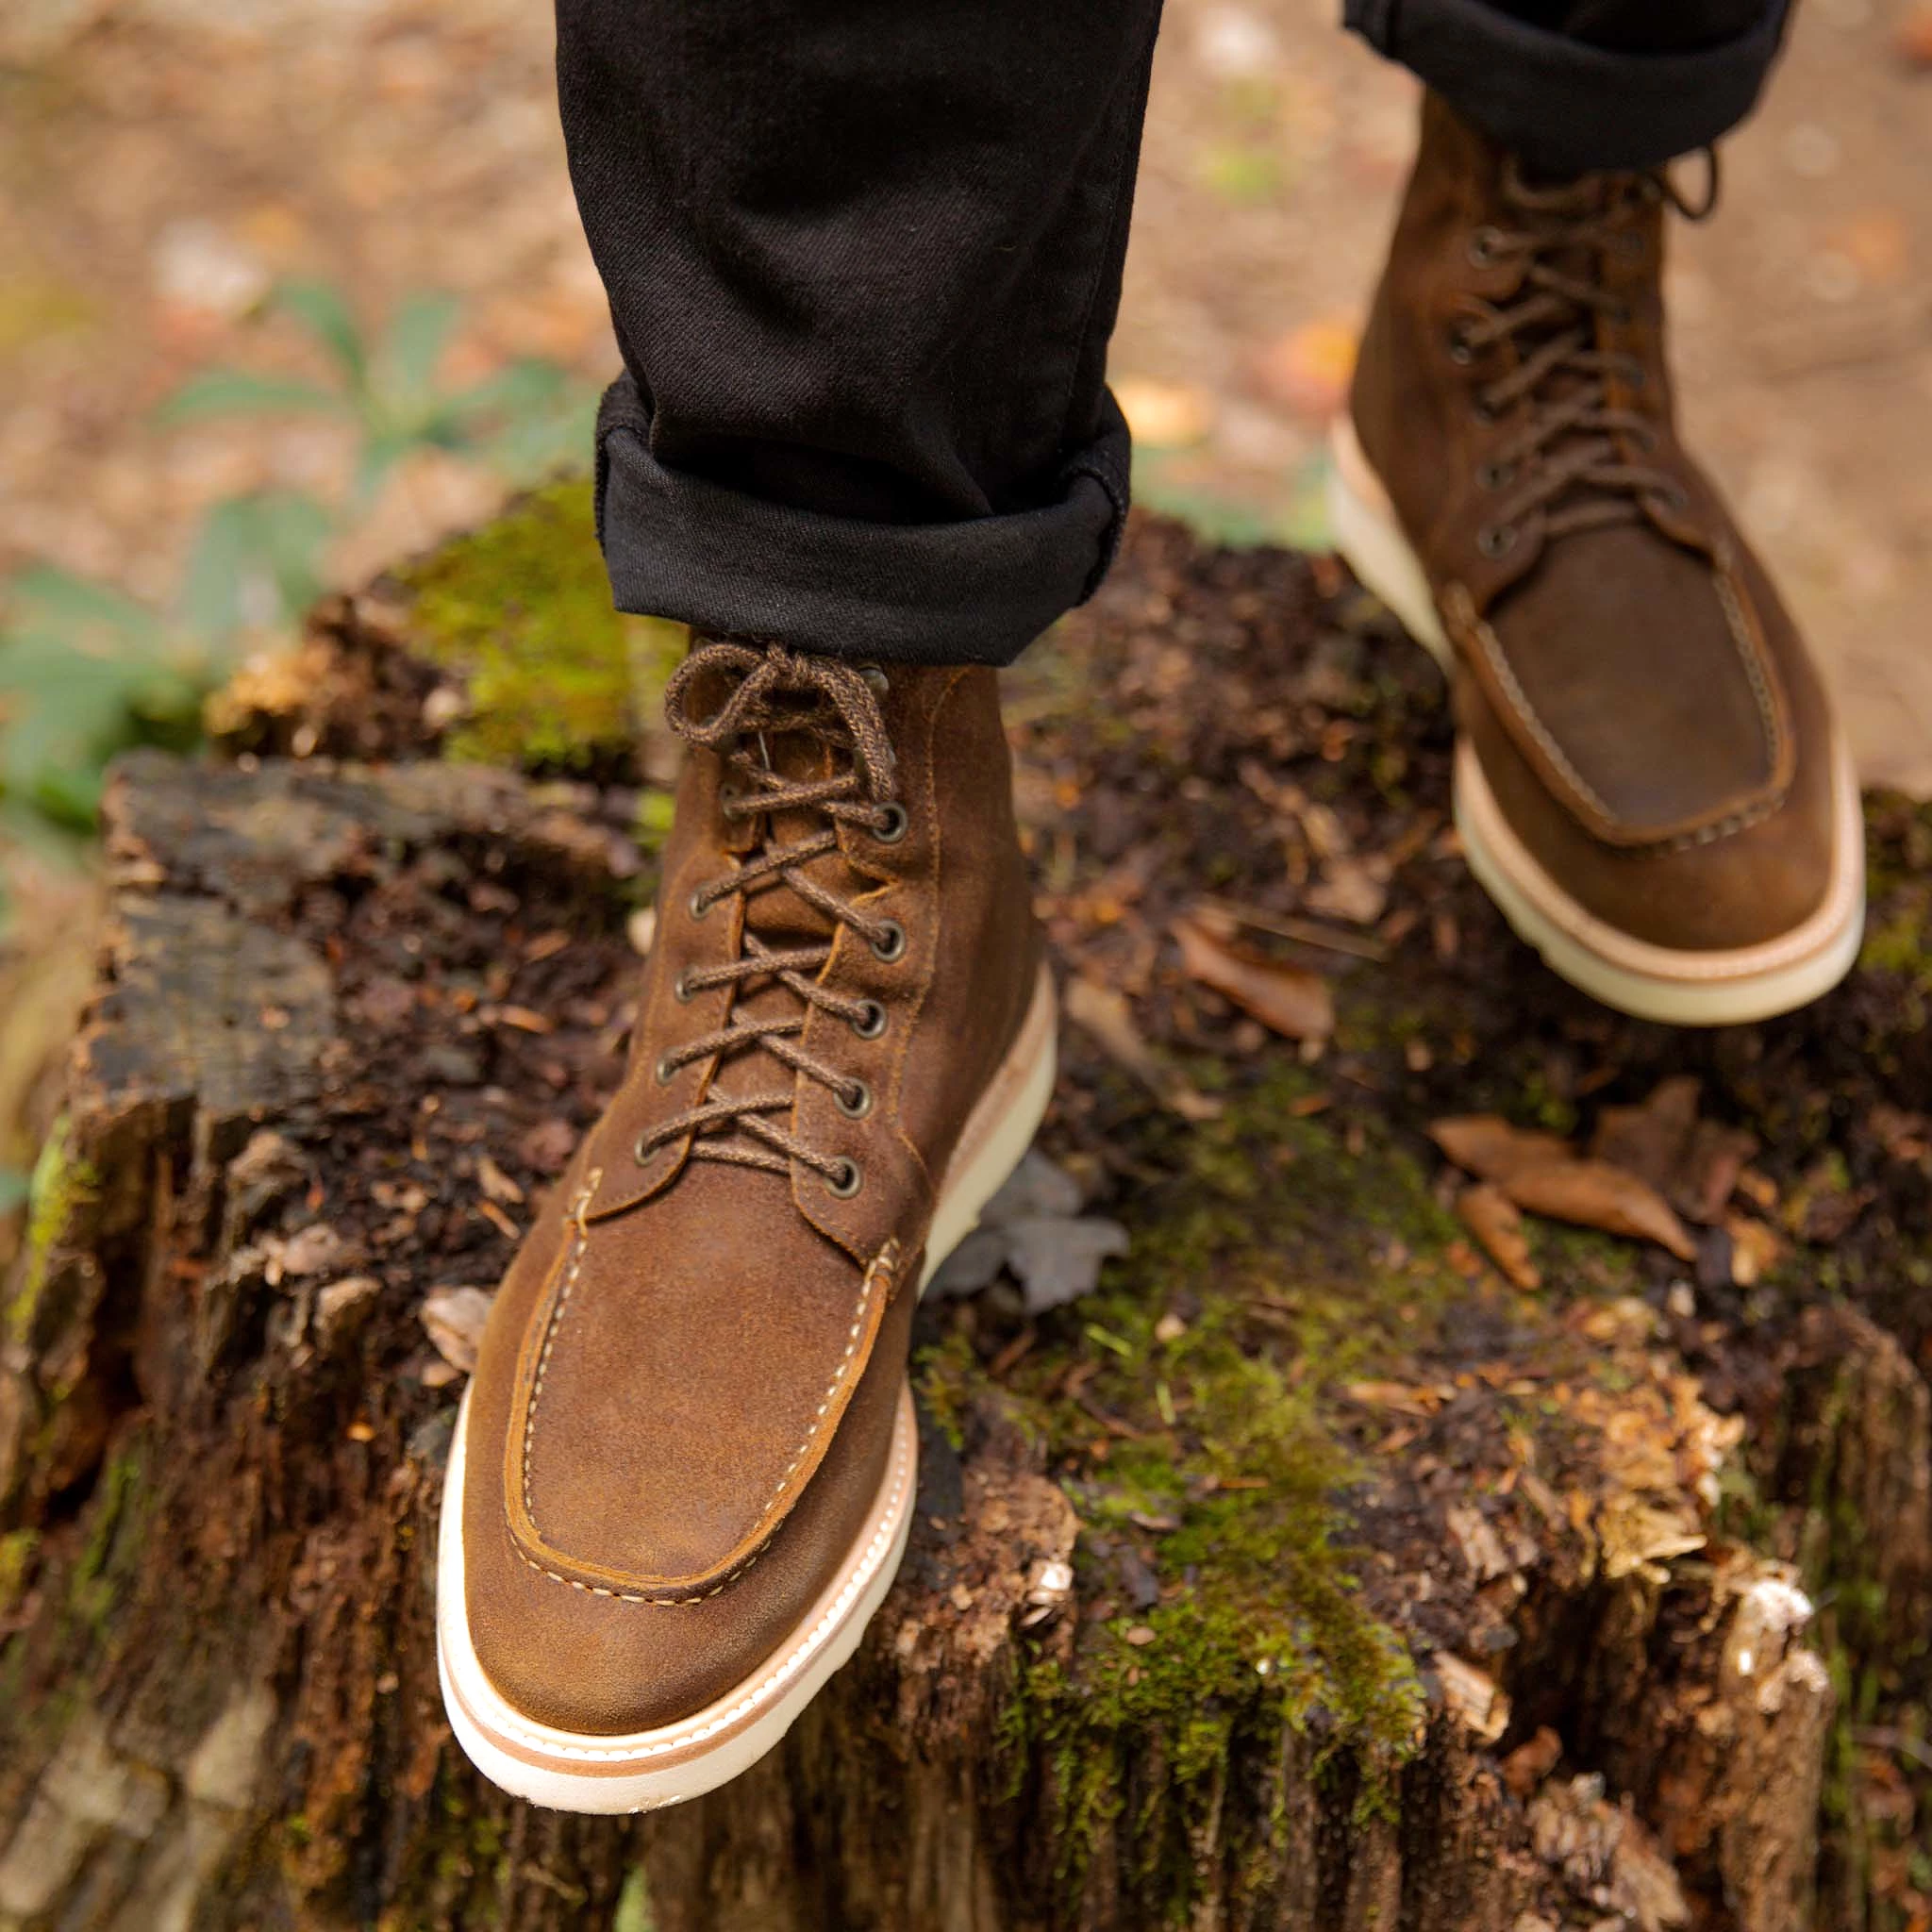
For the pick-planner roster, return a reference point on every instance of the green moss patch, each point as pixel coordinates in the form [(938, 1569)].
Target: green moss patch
[(521, 609), (62, 1186), (1188, 1409)]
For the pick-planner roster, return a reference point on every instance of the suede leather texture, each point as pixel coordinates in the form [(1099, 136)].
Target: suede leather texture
[(1644, 708), (686, 1391)]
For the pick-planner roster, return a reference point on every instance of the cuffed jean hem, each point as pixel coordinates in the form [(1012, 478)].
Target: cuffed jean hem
[(1563, 106), (974, 591)]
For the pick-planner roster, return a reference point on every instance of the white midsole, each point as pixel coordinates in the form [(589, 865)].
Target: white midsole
[(574, 1771), (1651, 982), (568, 1770)]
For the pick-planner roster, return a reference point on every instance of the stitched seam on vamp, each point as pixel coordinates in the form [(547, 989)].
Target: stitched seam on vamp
[(788, 1668), (883, 1261), (578, 1209), (1753, 668), (1492, 650)]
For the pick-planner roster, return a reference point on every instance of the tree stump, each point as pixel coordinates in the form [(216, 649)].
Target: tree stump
[(1307, 1572)]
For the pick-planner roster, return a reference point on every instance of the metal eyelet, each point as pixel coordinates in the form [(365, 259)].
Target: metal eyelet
[(1483, 411), (1461, 350), (898, 822), (844, 1181), (643, 1154), (697, 905), (1674, 497), (872, 1023), (682, 990), (1496, 540), (876, 678), (855, 1101), (666, 1072), (1495, 475), (892, 946), (1484, 247)]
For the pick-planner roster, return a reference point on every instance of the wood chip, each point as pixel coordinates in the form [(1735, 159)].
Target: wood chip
[(1288, 1000), (1473, 1697), (499, 1221), (523, 1019), (1497, 1224), (496, 1184)]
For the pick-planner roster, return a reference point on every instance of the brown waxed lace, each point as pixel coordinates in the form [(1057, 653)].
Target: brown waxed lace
[(1569, 448), (772, 693)]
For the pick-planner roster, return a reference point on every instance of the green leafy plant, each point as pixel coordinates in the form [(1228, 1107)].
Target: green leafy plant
[(523, 419), (87, 672)]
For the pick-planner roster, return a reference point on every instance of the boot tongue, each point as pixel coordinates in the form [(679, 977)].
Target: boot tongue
[(776, 913)]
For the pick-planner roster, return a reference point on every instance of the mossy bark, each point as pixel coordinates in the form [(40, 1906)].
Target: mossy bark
[(1305, 1575)]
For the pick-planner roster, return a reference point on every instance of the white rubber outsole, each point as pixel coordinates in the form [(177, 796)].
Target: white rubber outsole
[(646, 1770), (1650, 982)]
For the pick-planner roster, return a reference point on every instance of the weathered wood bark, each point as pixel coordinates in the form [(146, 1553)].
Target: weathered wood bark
[(1306, 1575)]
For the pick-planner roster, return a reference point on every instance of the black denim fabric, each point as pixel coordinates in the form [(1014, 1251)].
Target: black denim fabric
[(1576, 84), (864, 258)]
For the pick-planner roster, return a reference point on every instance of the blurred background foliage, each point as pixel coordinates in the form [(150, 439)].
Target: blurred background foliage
[(87, 671)]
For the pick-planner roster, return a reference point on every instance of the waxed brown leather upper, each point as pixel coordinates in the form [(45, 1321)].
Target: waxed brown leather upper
[(1643, 709), (686, 1388)]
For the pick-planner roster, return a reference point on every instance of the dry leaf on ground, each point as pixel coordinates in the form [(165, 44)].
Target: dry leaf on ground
[(454, 1318), (1289, 1000), (1496, 1222), (1103, 1014), (1592, 1193), (1693, 1163), (1486, 1145)]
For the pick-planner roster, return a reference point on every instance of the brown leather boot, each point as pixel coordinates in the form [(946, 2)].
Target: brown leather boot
[(1648, 778), (683, 1476)]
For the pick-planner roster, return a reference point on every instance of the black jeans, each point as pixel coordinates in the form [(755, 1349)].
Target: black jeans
[(864, 258)]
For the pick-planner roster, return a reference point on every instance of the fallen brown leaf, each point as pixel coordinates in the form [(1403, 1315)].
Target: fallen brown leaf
[(454, 1318), (1650, 1139), (497, 1184), (1289, 1000), (1693, 1163), (1486, 1145), (1592, 1193), (1497, 1224), (1103, 1014)]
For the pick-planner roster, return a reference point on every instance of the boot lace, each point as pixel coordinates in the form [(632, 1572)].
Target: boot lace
[(1569, 461), (774, 693)]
